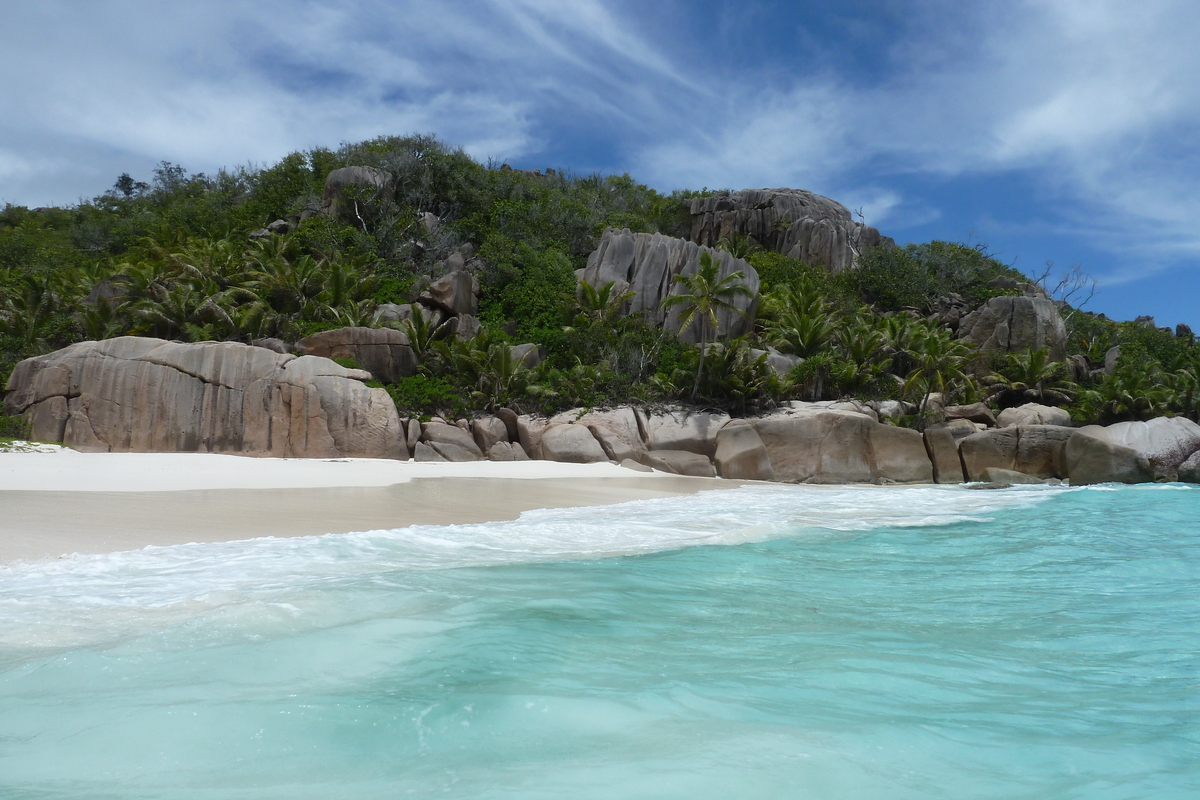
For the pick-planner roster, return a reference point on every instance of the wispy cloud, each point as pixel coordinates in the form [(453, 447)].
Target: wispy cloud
[(1098, 105)]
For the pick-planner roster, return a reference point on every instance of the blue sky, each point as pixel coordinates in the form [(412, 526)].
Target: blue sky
[(1051, 131)]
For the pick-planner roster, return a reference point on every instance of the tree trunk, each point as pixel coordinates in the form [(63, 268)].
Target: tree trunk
[(703, 351)]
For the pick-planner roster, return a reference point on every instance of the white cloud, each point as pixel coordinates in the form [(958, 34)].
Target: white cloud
[(1087, 96)]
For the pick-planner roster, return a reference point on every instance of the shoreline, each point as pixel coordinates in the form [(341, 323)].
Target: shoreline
[(55, 504)]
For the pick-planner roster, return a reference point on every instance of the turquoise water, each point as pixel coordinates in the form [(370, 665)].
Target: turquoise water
[(766, 642)]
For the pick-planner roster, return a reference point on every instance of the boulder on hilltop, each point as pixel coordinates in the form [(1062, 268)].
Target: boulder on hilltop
[(795, 222), (647, 265), (1013, 324)]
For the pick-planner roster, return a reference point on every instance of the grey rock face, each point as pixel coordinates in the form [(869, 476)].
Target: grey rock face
[(488, 432), (1008, 477), (134, 394), (843, 448), (1189, 471), (1012, 324), (975, 412), (272, 344), (797, 223), (349, 186), (384, 352), (437, 434), (780, 363), (456, 293), (529, 354), (1165, 441), (1034, 414), (943, 453), (742, 454), (571, 443), (1032, 449), (679, 462), (1091, 459), (647, 265), (677, 430)]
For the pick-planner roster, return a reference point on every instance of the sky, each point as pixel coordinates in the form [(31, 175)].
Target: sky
[(1052, 131)]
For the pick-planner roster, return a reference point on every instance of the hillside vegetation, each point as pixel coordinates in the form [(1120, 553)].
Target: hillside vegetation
[(183, 256)]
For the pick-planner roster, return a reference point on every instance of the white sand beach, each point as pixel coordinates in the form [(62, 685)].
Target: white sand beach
[(61, 502)]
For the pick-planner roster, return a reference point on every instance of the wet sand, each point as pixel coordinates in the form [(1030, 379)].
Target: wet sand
[(53, 504)]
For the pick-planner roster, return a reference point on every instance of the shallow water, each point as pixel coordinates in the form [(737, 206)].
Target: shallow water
[(791, 642)]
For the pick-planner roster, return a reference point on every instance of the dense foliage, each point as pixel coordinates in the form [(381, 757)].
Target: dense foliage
[(182, 256)]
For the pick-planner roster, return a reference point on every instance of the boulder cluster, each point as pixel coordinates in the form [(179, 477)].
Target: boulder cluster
[(134, 394)]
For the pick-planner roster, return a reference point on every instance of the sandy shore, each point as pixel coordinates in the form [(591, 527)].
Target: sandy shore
[(66, 502)]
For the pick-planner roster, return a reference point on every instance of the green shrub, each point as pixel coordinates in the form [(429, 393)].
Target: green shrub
[(14, 428), (425, 395)]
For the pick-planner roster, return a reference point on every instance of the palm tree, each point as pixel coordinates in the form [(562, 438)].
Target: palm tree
[(939, 367), (800, 322), (28, 315), (1031, 376), (707, 293), (599, 305), (863, 355)]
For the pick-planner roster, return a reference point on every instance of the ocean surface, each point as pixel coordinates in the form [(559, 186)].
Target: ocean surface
[(763, 642)]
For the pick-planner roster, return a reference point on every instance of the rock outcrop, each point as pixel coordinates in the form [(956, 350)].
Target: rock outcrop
[(572, 443), (1189, 471), (1091, 459), (384, 352), (347, 188), (742, 454), (797, 223), (647, 265), (678, 430), (843, 448), (134, 394), (1012, 324), (1031, 449), (456, 293), (1166, 442), (1033, 414), (943, 454)]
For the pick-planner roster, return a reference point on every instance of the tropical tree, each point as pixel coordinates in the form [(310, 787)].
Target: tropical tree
[(706, 293), (1030, 376), (863, 357), (799, 319), (939, 366), (600, 305)]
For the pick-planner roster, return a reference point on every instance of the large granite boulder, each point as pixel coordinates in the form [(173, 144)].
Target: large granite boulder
[(1033, 414), (1189, 471), (1092, 459), (1165, 441), (780, 363), (1013, 324), (488, 432), (134, 394), (456, 293), (1032, 449), (843, 448), (348, 188), (618, 431), (977, 412), (572, 443), (451, 442), (797, 223), (679, 462), (647, 265), (384, 352), (695, 432), (742, 454), (943, 453)]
